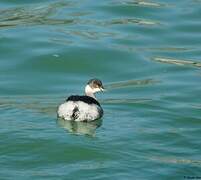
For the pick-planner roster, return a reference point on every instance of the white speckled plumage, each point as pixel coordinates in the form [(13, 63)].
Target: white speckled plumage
[(86, 111)]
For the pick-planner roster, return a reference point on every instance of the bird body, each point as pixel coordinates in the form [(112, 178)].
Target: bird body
[(83, 108)]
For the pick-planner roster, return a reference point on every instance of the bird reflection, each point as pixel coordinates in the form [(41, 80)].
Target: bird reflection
[(81, 128)]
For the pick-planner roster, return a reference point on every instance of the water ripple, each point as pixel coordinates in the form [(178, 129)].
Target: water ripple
[(89, 34), (32, 15), (129, 83), (178, 62), (176, 160), (125, 21), (140, 3), (125, 101)]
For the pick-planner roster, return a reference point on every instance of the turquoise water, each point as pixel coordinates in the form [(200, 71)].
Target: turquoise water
[(147, 53)]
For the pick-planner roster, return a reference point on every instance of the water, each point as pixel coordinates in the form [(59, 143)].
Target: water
[(147, 53)]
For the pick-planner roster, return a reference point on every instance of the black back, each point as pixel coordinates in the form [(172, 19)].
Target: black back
[(86, 99)]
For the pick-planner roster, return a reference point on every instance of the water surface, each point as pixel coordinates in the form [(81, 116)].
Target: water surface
[(147, 53)]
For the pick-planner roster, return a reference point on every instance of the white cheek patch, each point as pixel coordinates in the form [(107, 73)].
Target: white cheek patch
[(88, 90)]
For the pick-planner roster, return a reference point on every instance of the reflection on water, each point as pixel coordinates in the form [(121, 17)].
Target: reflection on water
[(139, 3), (82, 128), (89, 34), (35, 15), (125, 101), (131, 21), (174, 160), (49, 14), (178, 62), (129, 83)]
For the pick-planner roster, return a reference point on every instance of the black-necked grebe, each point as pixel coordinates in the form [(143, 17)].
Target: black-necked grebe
[(83, 108)]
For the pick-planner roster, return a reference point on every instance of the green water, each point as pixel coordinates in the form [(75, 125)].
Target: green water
[(148, 55)]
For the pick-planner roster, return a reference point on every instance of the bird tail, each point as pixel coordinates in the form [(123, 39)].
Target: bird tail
[(75, 113)]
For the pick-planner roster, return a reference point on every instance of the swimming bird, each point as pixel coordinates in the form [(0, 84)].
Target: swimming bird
[(83, 108)]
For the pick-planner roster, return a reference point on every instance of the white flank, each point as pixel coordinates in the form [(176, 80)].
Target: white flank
[(87, 112)]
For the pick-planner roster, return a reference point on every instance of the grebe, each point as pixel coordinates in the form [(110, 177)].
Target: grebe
[(83, 108)]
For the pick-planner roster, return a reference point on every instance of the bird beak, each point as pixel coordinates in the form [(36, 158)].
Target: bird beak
[(102, 89)]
